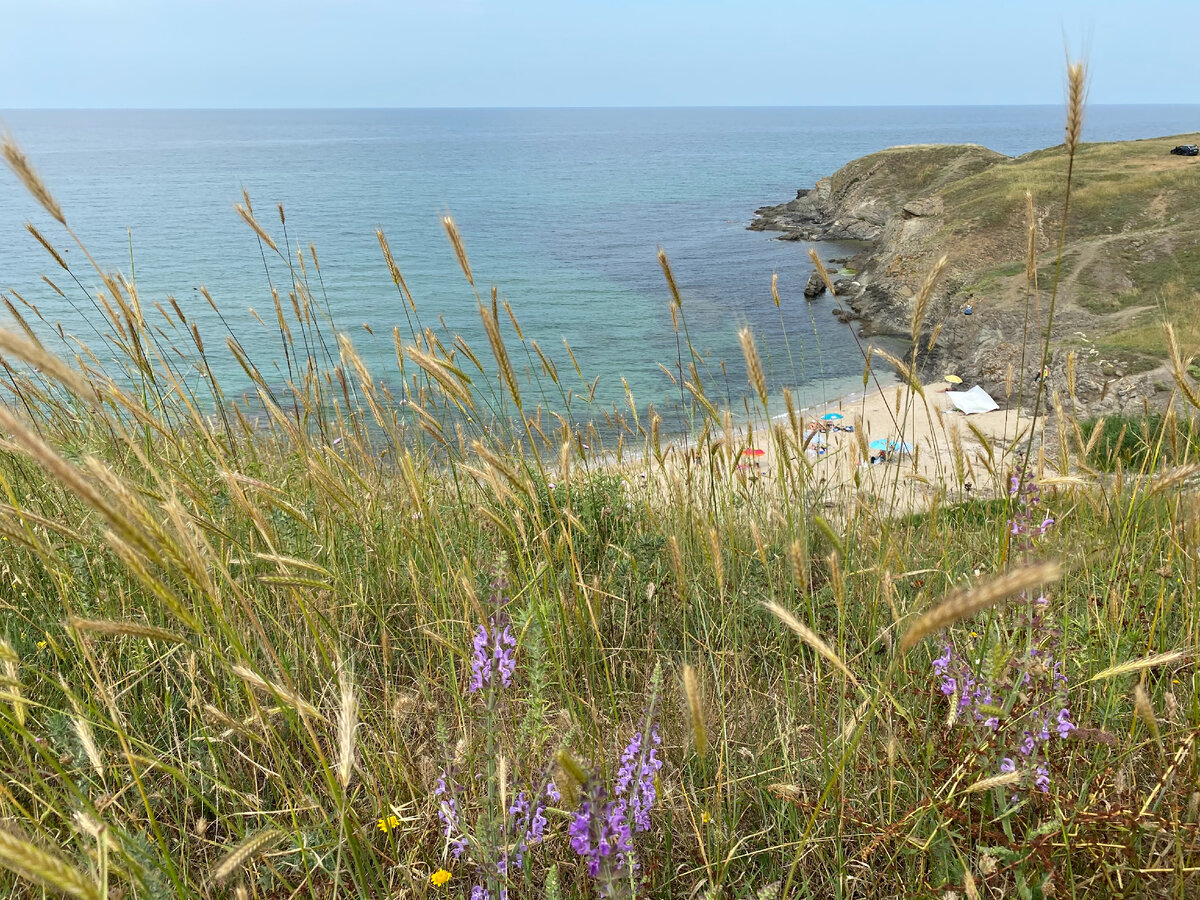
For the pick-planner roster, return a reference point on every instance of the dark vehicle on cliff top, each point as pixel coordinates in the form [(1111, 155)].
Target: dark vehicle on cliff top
[(1186, 150)]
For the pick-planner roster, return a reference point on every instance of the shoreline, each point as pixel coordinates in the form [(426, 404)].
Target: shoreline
[(950, 452)]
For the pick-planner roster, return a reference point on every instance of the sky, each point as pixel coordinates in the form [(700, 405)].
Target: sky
[(505, 53)]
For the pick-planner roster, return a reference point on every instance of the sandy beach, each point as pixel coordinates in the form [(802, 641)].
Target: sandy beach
[(924, 448)]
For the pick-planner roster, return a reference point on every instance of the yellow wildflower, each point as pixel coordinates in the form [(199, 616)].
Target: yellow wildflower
[(41, 645), (705, 818), (440, 877), (388, 823)]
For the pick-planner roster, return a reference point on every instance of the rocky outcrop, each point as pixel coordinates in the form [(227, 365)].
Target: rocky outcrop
[(815, 286), (857, 201), (912, 205)]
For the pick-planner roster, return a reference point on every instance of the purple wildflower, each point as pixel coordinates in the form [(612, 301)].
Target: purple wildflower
[(1027, 745), (479, 892), (448, 815), (1042, 781), (529, 824), (1008, 765), (599, 830), (1063, 723), (537, 826), (493, 654), (942, 663)]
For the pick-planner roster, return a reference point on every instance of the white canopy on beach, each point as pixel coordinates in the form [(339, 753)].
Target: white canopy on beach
[(976, 400)]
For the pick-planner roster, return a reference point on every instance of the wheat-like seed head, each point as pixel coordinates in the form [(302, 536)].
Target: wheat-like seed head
[(23, 169), (393, 269), (696, 712), (44, 868), (754, 369), (244, 852), (775, 288), (278, 691), (821, 270), (83, 730), (1145, 709), (809, 637), (460, 251), (921, 304), (992, 781), (904, 370), (347, 725), (449, 382), (512, 317), (491, 325), (934, 335), (1031, 248), (966, 603), (676, 300), (676, 555), (10, 684), (1076, 97), (247, 215), (718, 562), (969, 886), (502, 777), (1138, 665), (46, 245), (116, 628), (1179, 366)]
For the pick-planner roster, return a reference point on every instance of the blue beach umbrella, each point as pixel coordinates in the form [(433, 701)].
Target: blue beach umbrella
[(831, 417), (890, 445)]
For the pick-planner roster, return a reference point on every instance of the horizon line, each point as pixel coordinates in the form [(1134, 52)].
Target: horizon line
[(649, 107)]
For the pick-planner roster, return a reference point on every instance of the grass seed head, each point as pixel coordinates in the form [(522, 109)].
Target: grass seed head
[(696, 712), (966, 603), (23, 169)]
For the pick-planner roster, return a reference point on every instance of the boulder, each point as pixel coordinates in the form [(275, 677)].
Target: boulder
[(920, 209), (815, 286)]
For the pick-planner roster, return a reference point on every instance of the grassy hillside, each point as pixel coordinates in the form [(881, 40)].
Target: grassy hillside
[(1133, 238)]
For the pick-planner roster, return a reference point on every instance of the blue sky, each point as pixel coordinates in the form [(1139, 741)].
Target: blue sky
[(405, 53)]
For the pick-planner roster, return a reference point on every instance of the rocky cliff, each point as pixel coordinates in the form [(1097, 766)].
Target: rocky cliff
[(1131, 258)]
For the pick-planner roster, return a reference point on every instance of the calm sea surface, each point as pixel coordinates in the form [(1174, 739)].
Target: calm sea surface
[(563, 210)]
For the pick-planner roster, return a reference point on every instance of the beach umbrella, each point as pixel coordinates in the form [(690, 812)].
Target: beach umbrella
[(831, 417), (953, 379), (753, 451), (889, 445)]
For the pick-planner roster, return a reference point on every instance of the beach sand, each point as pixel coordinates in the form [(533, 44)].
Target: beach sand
[(953, 456)]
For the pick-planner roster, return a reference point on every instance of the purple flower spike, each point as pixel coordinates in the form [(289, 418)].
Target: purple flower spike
[(493, 655)]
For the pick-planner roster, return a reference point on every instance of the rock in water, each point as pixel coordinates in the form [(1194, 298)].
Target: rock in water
[(815, 287)]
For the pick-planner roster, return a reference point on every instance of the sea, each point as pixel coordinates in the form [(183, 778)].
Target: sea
[(561, 211)]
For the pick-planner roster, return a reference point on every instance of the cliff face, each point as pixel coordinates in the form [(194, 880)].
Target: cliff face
[(1131, 258)]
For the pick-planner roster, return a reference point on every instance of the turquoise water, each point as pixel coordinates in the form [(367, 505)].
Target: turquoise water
[(562, 210)]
